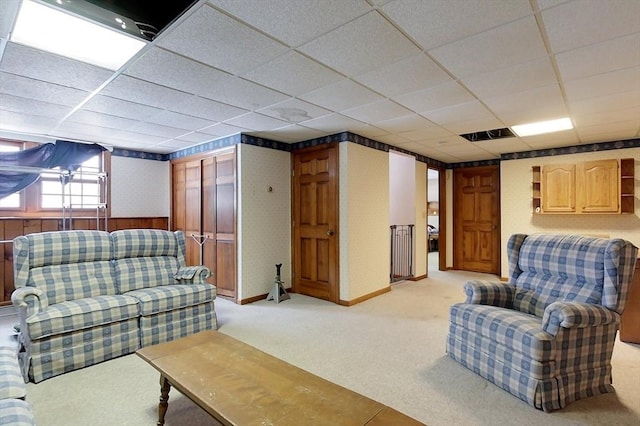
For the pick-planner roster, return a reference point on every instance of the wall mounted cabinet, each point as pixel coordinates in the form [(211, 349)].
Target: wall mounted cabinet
[(588, 187)]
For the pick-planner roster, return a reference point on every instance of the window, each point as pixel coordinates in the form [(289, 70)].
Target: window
[(84, 193)]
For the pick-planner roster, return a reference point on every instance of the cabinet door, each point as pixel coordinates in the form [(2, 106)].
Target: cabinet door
[(558, 187), (598, 186)]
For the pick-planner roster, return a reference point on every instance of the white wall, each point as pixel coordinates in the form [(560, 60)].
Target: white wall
[(139, 188), (516, 204), (264, 219), (364, 220), (402, 184)]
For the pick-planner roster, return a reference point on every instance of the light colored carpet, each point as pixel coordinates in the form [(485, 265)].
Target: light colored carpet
[(390, 348)]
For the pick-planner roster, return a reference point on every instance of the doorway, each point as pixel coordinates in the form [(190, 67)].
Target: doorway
[(433, 219)]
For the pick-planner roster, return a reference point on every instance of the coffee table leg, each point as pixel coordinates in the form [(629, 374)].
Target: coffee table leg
[(165, 387)]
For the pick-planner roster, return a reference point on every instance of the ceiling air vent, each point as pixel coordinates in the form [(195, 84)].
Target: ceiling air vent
[(486, 135)]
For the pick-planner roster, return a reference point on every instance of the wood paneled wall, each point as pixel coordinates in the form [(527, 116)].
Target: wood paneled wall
[(14, 227)]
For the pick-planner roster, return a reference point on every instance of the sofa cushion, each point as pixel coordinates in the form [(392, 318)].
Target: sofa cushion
[(12, 383), (145, 272), (16, 412), (172, 297), (519, 331), (80, 314), (566, 268)]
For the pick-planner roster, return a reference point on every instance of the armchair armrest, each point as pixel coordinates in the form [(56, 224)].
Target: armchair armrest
[(497, 294), (193, 274), (576, 315), (29, 301)]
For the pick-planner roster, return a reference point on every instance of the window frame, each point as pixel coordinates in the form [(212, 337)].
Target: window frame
[(31, 196)]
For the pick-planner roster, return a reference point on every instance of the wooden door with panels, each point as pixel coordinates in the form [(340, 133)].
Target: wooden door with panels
[(476, 219), (204, 207), (315, 222)]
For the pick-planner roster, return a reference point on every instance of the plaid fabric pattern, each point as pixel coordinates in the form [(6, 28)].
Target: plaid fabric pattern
[(16, 412), (171, 325), (12, 384), (131, 243), (497, 294), (144, 272), (80, 314), (74, 281), (171, 297), (555, 345), (49, 364), (193, 273), (570, 315)]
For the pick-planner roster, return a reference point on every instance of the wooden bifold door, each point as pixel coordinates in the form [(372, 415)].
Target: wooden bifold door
[(204, 207)]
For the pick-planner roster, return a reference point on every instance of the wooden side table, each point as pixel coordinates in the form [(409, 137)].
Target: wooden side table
[(630, 323)]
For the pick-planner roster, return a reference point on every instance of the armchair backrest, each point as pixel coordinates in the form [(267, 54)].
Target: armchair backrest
[(547, 268), (147, 257), (66, 265)]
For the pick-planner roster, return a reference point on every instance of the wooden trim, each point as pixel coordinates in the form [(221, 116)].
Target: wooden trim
[(421, 277), (365, 297)]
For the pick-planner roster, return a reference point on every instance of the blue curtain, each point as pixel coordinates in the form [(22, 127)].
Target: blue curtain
[(63, 154)]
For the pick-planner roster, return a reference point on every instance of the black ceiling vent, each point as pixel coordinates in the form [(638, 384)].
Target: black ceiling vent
[(487, 135)]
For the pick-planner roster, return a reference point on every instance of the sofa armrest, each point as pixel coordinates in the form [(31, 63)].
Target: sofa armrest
[(29, 301), (576, 315), (193, 274), (493, 293)]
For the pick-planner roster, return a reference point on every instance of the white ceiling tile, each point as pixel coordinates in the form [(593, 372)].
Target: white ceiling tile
[(79, 130), (518, 78), (120, 108), (293, 21), (293, 74), (552, 140), (580, 23), (505, 46), (159, 130), (369, 131), (460, 112), (607, 103), (221, 130), (168, 69), (611, 55), (101, 120), (360, 45), (255, 121), (43, 66), (612, 132), (191, 138), (415, 73), (434, 23), (215, 39), (142, 92), (541, 97), (603, 84), (332, 123), (426, 133), (243, 94), (294, 110), (179, 121), (24, 123), (295, 133), (342, 95), (32, 107), (498, 146), (608, 117), (377, 111), (205, 108), (394, 139), (405, 123), (39, 90), (8, 12), (139, 138), (435, 98)]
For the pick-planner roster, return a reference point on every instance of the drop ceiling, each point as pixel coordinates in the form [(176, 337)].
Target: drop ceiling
[(409, 73)]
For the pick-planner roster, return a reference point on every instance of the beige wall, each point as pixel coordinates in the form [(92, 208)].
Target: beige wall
[(364, 220), (420, 242), (516, 205), (264, 219)]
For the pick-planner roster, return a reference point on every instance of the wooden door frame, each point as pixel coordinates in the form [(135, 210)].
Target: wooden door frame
[(295, 285)]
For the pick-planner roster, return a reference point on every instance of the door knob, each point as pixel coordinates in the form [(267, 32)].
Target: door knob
[(330, 232)]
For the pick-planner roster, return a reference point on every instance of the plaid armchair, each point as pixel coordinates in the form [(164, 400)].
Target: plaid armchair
[(547, 335)]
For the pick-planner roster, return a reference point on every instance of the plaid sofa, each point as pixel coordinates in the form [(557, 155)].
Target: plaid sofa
[(547, 335), (14, 409), (89, 296)]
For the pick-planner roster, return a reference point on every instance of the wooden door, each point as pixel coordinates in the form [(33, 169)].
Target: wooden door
[(598, 187), (193, 211), (476, 218), (558, 188), (315, 222), (225, 224)]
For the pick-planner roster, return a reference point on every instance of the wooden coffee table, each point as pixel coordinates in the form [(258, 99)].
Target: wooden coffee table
[(238, 384)]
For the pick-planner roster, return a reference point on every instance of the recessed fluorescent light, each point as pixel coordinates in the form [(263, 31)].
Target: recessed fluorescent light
[(543, 127), (49, 29)]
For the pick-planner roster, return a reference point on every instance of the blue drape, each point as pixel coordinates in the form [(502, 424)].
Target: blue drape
[(63, 154)]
